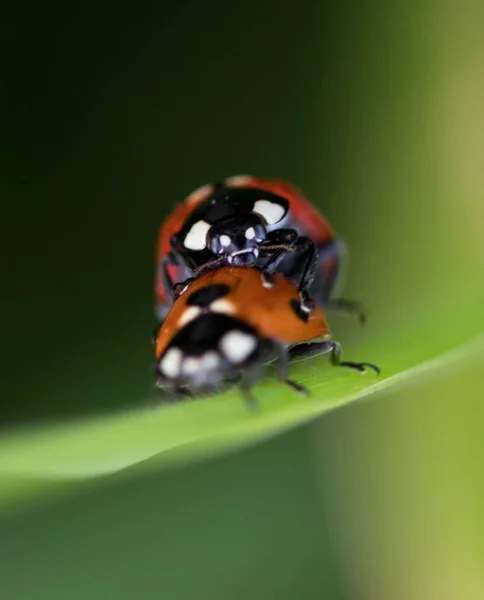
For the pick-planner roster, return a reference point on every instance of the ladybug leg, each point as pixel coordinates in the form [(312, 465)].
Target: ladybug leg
[(283, 371), (175, 289), (173, 392), (179, 256), (249, 379), (278, 244), (300, 389), (305, 270), (335, 359), (283, 241), (181, 287), (349, 307), (308, 257), (332, 258), (281, 236), (164, 302), (360, 367), (273, 262), (334, 348), (167, 280), (279, 240)]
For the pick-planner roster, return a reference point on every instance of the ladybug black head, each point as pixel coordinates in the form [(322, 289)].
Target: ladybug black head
[(231, 221), (238, 238), (210, 351)]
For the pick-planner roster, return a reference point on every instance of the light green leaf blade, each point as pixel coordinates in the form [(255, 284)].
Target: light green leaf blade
[(37, 460)]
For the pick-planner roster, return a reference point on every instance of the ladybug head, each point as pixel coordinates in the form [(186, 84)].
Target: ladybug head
[(238, 238), (208, 352)]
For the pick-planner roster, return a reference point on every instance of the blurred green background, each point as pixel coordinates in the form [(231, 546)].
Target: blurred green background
[(111, 113)]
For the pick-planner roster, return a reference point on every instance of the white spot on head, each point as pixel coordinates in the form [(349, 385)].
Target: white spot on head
[(200, 369), (191, 365), (222, 306), (238, 345), (250, 233), (170, 363), (210, 360), (196, 238), (200, 194), (225, 240), (270, 211), (188, 315), (238, 180)]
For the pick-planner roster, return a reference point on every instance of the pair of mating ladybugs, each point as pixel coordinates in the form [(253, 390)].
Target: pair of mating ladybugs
[(244, 268)]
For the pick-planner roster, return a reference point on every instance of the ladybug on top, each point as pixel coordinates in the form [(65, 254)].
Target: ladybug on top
[(251, 222)]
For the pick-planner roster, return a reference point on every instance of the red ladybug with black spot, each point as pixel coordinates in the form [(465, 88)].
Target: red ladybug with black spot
[(252, 222), (230, 322)]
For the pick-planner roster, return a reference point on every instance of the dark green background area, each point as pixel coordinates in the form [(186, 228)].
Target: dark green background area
[(110, 113), (171, 537)]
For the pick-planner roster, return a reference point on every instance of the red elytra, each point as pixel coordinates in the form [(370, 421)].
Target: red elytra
[(270, 310), (302, 217)]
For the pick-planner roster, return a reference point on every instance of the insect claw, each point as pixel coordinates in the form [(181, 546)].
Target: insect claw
[(360, 367), (300, 389), (250, 401)]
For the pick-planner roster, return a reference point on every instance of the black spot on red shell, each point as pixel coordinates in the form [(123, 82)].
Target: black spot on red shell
[(205, 296), (205, 332)]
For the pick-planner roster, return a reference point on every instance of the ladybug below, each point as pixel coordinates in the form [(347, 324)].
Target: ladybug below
[(250, 221), (230, 322)]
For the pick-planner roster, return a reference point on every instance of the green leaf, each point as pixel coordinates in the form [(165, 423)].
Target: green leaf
[(40, 460)]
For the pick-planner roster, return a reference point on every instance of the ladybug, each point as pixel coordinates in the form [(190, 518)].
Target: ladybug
[(228, 323), (250, 221)]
